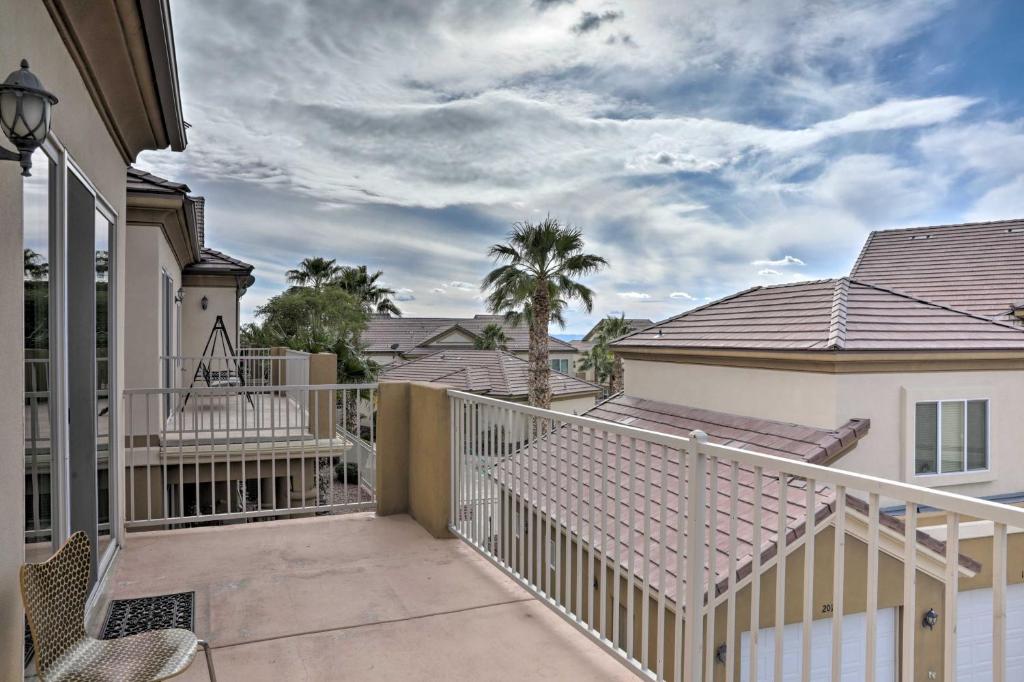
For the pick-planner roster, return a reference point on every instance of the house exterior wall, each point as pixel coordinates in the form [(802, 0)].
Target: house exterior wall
[(827, 400), (29, 33), (577, 405), (197, 323)]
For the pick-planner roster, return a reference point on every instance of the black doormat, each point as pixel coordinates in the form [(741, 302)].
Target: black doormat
[(132, 616)]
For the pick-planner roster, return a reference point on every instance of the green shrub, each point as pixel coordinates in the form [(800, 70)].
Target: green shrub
[(347, 472)]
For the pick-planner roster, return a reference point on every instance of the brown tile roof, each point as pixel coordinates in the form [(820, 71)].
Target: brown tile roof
[(635, 324), (977, 267), (489, 372), (827, 315), (141, 181), (584, 455), (411, 332), (215, 262)]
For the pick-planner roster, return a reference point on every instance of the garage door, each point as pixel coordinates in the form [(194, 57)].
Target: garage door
[(854, 650), (974, 634)]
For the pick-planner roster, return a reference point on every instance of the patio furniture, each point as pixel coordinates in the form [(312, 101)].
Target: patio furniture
[(54, 593)]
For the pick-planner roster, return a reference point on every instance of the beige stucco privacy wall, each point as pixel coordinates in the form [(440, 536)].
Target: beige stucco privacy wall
[(827, 400), (28, 32)]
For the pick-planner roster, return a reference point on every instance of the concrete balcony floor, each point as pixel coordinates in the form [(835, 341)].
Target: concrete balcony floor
[(353, 597)]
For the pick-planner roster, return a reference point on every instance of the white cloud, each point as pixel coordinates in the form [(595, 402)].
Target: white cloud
[(681, 294), (781, 262), (462, 286), (634, 295), (405, 295), (768, 272)]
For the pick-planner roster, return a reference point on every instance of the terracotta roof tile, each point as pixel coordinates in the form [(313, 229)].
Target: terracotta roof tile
[(591, 458), (825, 315), (977, 267), (490, 372), (411, 332)]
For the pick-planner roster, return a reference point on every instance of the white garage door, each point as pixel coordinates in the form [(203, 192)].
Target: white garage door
[(854, 650), (974, 634)]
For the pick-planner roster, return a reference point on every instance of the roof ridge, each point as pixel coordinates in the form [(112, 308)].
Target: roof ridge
[(942, 306), (980, 223), (837, 317), (863, 250), (688, 312), (502, 354)]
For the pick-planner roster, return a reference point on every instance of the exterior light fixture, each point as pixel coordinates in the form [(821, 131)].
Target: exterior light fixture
[(24, 115), (205, 302), (930, 619), (720, 653), (179, 295)]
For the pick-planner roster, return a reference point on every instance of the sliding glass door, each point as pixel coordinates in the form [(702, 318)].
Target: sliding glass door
[(71, 452)]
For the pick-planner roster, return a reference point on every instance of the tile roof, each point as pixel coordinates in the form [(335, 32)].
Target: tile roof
[(213, 262), (635, 324), (977, 267), (827, 315), (591, 458), (489, 372), (141, 181), (411, 332)]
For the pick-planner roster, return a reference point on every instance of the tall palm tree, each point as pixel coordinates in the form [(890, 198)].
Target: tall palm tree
[(492, 337), (607, 365), (540, 265), (375, 297), (315, 272)]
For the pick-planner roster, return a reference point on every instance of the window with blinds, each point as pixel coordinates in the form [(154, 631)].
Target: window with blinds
[(951, 436)]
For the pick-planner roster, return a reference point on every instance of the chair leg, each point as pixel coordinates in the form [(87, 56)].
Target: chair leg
[(209, 659)]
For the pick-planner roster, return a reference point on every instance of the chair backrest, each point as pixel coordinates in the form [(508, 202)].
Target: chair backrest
[(54, 594)]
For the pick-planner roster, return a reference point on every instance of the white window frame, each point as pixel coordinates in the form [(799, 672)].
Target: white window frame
[(910, 398), (559, 361)]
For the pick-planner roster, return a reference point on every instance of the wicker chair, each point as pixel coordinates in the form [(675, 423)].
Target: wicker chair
[(54, 593)]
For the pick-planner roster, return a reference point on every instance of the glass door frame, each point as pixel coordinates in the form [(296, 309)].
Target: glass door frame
[(60, 451)]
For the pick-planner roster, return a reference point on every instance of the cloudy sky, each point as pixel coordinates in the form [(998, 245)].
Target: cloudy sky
[(703, 146)]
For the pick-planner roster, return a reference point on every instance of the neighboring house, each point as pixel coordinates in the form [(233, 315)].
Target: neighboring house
[(941, 386), (498, 374), (175, 287), (587, 342), (112, 66), (402, 338), (604, 500)]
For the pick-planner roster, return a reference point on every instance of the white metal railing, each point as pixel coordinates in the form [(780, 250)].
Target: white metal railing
[(243, 369), (610, 526), (233, 453)]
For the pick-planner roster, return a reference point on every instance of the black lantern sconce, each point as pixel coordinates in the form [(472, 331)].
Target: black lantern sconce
[(179, 295), (720, 653), (930, 619), (205, 302), (24, 115)]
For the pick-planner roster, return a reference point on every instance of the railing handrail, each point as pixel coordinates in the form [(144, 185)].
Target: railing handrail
[(227, 390), (238, 356), (908, 492)]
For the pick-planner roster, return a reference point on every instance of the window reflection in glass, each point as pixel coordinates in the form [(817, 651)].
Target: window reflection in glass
[(104, 314), (38, 214)]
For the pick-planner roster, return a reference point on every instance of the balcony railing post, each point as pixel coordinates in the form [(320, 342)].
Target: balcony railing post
[(694, 488)]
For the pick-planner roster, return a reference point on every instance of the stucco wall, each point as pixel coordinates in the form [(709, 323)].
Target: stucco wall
[(829, 400), (196, 323), (573, 405), (28, 32)]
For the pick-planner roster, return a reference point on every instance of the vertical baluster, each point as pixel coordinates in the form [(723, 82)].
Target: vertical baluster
[(663, 554), (780, 573), (631, 573), (695, 491), (838, 583), (731, 636), (591, 536), (755, 573), (617, 525), (909, 591), (999, 602), (645, 607), (952, 591), (871, 613), (712, 579), (807, 620)]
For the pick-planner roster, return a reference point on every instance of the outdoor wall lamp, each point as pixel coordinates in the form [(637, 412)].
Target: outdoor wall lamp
[(24, 115), (930, 619), (179, 295), (720, 653), (205, 302)]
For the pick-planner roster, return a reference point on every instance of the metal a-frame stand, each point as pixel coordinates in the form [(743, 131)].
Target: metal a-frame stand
[(218, 377)]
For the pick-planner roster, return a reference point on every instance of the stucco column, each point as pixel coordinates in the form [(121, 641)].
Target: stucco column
[(414, 454), (323, 369)]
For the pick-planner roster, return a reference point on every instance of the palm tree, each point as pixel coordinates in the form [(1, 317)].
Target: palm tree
[(376, 298), (492, 337), (314, 272), (601, 356), (35, 267), (540, 265)]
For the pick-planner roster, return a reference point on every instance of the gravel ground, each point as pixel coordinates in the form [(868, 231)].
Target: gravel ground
[(348, 492)]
